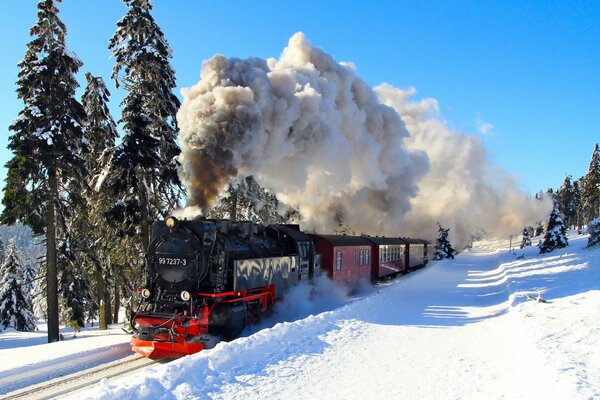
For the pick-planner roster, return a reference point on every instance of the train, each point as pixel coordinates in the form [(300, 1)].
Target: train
[(207, 279)]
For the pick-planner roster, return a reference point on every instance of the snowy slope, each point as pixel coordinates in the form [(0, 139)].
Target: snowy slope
[(457, 329)]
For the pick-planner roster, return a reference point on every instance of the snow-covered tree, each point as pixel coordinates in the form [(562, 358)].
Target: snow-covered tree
[(567, 201), (526, 241), (16, 309), (556, 233), (46, 143), (443, 248), (577, 204), (143, 176), (98, 237), (245, 199), (590, 190), (594, 233), (2, 252)]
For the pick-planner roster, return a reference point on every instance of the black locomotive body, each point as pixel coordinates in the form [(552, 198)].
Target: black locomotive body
[(207, 279)]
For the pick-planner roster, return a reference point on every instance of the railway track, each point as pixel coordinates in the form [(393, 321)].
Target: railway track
[(71, 383)]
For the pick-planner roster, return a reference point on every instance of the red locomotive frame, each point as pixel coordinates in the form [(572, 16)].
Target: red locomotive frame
[(179, 334)]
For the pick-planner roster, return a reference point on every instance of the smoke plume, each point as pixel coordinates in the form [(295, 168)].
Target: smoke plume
[(310, 129), (462, 190), (338, 151)]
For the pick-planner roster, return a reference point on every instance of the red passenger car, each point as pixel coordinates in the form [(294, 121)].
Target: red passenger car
[(417, 252), (346, 259), (389, 256)]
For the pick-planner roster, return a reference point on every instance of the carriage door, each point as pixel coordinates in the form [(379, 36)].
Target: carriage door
[(304, 253)]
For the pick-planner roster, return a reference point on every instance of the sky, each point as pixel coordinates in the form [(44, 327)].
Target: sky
[(523, 76)]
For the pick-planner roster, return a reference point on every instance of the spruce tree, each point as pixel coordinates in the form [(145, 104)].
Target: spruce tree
[(46, 143), (567, 201), (594, 233), (526, 241), (2, 252), (443, 248), (577, 203), (246, 199), (16, 308), (101, 132), (556, 233), (143, 176), (590, 190)]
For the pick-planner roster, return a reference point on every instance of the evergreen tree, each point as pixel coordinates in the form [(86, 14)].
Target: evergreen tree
[(2, 252), (46, 143), (443, 248), (97, 236), (556, 233), (246, 200), (577, 204), (526, 241), (143, 176), (594, 232), (590, 189), (16, 309), (539, 229), (567, 201)]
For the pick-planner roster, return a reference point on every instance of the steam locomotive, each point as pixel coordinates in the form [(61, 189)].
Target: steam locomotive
[(207, 279)]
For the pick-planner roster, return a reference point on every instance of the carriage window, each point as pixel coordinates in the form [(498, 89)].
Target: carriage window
[(362, 256), (367, 257), (338, 260)]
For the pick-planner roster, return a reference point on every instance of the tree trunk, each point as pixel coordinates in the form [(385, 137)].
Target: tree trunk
[(51, 261), (117, 305), (107, 308), (102, 325)]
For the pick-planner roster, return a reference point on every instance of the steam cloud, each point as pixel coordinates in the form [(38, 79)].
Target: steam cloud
[(309, 129), (463, 190), (318, 136)]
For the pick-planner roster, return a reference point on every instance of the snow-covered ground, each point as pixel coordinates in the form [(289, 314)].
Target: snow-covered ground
[(469, 328)]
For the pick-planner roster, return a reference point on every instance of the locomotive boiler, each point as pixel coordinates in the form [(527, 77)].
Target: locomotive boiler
[(207, 279)]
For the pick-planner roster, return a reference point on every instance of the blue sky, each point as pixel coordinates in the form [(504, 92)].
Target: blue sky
[(531, 69)]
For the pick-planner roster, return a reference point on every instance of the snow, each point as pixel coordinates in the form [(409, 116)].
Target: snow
[(28, 359), (490, 324)]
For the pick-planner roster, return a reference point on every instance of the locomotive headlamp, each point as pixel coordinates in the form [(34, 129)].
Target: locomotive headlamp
[(171, 222), (185, 295), (146, 293)]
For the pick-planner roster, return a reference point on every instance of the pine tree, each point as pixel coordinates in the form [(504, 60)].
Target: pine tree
[(590, 190), (567, 201), (526, 241), (16, 309), (99, 239), (577, 203), (246, 199), (2, 252), (443, 248), (143, 176), (594, 232), (46, 143), (556, 233)]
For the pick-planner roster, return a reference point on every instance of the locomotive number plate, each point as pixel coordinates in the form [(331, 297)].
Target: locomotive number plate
[(173, 261)]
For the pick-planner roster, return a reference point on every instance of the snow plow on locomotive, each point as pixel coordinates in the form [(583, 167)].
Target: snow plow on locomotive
[(206, 279)]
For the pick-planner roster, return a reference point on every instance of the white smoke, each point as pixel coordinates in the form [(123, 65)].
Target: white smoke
[(309, 129), (327, 144), (463, 190)]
